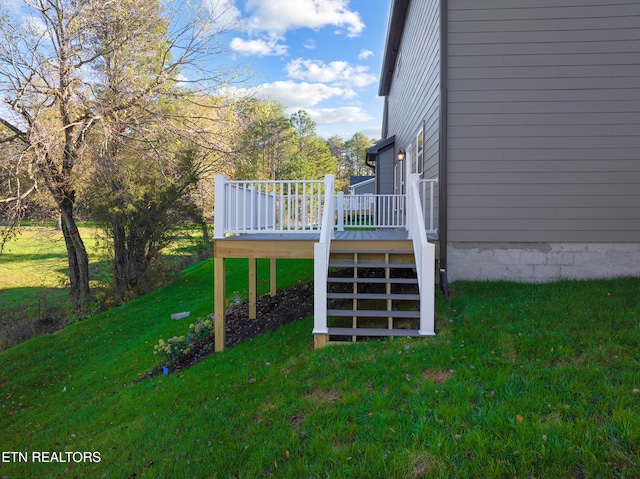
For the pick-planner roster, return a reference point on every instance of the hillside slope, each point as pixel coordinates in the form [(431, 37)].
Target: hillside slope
[(522, 380)]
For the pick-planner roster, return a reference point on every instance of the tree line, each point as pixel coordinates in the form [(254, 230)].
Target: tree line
[(119, 115)]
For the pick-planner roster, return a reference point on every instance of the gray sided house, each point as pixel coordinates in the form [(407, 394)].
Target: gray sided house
[(362, 185), (528, 113)]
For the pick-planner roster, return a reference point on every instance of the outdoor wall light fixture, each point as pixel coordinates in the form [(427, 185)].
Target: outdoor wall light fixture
[(401, 155)]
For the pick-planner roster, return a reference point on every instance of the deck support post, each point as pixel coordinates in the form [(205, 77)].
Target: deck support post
[(253, 286), (320, 340), (219, 287), (272, 277)]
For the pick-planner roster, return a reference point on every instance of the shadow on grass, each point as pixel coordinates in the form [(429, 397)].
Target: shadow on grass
[(30, 300), (29, 312), (31, 257)]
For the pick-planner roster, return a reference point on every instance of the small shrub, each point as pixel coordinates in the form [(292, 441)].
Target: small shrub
[(200, 330), (172, 351)]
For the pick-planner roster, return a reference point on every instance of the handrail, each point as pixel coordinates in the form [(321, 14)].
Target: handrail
[(427, 199), (261, 206), (425, 257), (321, 251), (293, 206)]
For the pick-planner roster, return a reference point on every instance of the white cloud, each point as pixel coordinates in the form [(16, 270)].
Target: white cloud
[(364, 54), (12, 5), (224, 13), (349, 93), (299, 95), (331, 116), (279, 16), (310, 44), (292, 95), (262, 48), (340, 73)]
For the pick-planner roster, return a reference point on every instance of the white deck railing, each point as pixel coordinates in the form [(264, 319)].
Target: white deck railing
[(425, 257), (370, 211), (267, 206), (321, 251), (297, 206), (385, 211)]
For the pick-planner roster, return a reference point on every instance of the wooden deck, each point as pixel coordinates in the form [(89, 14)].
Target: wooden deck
[(287, 245)]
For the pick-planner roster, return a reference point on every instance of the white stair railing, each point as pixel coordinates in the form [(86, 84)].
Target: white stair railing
[(427, 190), (425, 257), (321, 251)]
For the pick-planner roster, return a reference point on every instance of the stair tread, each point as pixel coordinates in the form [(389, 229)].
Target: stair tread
[(331, 279), (373, 313), (373, 296), (372, 265), (372, 332)]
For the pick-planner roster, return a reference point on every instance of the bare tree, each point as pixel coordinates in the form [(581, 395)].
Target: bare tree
[(72, 73)]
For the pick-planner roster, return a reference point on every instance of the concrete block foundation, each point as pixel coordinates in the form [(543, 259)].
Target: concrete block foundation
[(541, 262)]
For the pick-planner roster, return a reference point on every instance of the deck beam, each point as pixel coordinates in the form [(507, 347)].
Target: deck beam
[(264, 248)]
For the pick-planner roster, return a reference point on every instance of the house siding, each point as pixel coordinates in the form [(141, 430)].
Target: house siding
[(415, 87), (543, 121), (384, 171)]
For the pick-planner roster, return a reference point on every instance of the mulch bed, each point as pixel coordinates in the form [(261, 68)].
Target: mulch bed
[(272, 313)]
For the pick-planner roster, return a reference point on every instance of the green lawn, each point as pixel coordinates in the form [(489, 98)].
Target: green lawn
[(521, 381), (37, 258), (34, 273)]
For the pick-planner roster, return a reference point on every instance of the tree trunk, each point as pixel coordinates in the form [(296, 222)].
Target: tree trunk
[(77, 256), (120, 261), (205, 235), (130, 262)]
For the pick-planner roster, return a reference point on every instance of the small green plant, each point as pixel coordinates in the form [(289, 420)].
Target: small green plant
[(201, 329), (172, 350)]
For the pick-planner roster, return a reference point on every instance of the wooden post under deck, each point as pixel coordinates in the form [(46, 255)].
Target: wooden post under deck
[(320, 340), (252, 248), (272, 277), (219, 286), (253, 286)]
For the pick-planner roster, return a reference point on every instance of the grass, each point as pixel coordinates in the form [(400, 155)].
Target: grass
[(34, 279), (521, 381), (36, 260)]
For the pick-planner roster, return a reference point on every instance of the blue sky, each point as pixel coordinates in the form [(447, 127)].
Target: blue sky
[(323, 56)]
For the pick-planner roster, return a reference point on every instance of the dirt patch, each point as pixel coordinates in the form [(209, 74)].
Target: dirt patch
[(437, 376), (322, 396), (272, 312)]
